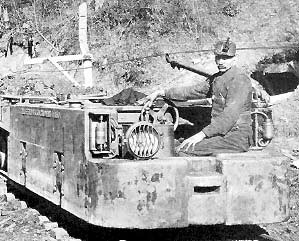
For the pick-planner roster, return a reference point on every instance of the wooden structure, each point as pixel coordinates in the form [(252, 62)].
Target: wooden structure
[(85, 55)]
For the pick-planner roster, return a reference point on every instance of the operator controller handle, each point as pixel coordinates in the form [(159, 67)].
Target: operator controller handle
[(174, 64)]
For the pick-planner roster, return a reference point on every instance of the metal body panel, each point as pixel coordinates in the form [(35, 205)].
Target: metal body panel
[(207, 198), (49, 153), (199, 190), (140, 194), (54, 139), (257, 187), (74, 178)]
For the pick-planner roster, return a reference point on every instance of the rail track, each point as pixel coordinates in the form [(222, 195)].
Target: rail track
[(46, 221)]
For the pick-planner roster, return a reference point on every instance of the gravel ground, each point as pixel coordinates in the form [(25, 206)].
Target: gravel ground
[(18, 223)]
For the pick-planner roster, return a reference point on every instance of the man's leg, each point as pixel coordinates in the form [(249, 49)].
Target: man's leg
[(233, 142)]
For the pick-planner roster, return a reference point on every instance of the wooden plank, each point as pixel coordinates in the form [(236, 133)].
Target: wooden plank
[(85, 56), (56, 59)]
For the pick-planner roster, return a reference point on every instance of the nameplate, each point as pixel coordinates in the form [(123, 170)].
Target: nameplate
[(41, 112)]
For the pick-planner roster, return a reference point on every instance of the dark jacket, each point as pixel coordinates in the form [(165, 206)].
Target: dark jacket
[(231, 101)]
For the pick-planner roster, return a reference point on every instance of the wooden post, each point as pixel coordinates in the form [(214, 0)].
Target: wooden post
[(87, 61), (6, 18), (85, 55)]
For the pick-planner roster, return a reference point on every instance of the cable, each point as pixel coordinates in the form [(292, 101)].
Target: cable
[(45, 71), (154, 56), (201, 51)]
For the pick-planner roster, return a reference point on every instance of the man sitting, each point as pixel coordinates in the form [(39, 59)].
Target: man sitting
[(231, 90)]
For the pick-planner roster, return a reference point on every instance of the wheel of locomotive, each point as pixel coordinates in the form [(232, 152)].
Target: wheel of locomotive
[(143, 140)]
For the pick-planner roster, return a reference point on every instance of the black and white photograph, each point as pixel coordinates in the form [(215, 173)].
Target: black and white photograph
[(149, 120)]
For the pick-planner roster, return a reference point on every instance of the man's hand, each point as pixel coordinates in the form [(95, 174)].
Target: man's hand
[(264, 96), (191, 142), (148, 101), (259, 91)]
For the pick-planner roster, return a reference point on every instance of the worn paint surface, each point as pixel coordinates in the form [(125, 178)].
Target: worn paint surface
[(138, 194), (55, 157), (231, 189), (206, 204), (257, 188), (163, 192)]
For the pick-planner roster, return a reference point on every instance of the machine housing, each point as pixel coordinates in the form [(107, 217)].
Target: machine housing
[(76, 156)]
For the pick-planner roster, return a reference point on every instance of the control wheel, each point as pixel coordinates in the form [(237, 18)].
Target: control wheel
[(168, 113)]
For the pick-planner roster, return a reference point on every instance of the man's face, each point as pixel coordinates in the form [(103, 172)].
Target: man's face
[(224, 62)]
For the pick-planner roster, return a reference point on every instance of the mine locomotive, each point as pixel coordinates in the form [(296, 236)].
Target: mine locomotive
[(115, 166)]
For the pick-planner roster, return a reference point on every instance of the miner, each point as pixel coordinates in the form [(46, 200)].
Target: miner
[(231, 91)]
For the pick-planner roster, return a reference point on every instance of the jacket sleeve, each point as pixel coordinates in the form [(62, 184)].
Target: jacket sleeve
[(198, 91), (238, 99)]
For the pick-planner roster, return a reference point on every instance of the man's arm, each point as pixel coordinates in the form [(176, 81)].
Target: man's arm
[(148, 101), (197, 91)]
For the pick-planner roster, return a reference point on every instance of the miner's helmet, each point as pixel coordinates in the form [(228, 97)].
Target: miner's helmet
[(225, 48)]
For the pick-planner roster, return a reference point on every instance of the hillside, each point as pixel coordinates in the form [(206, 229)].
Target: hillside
[(128, 39)]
